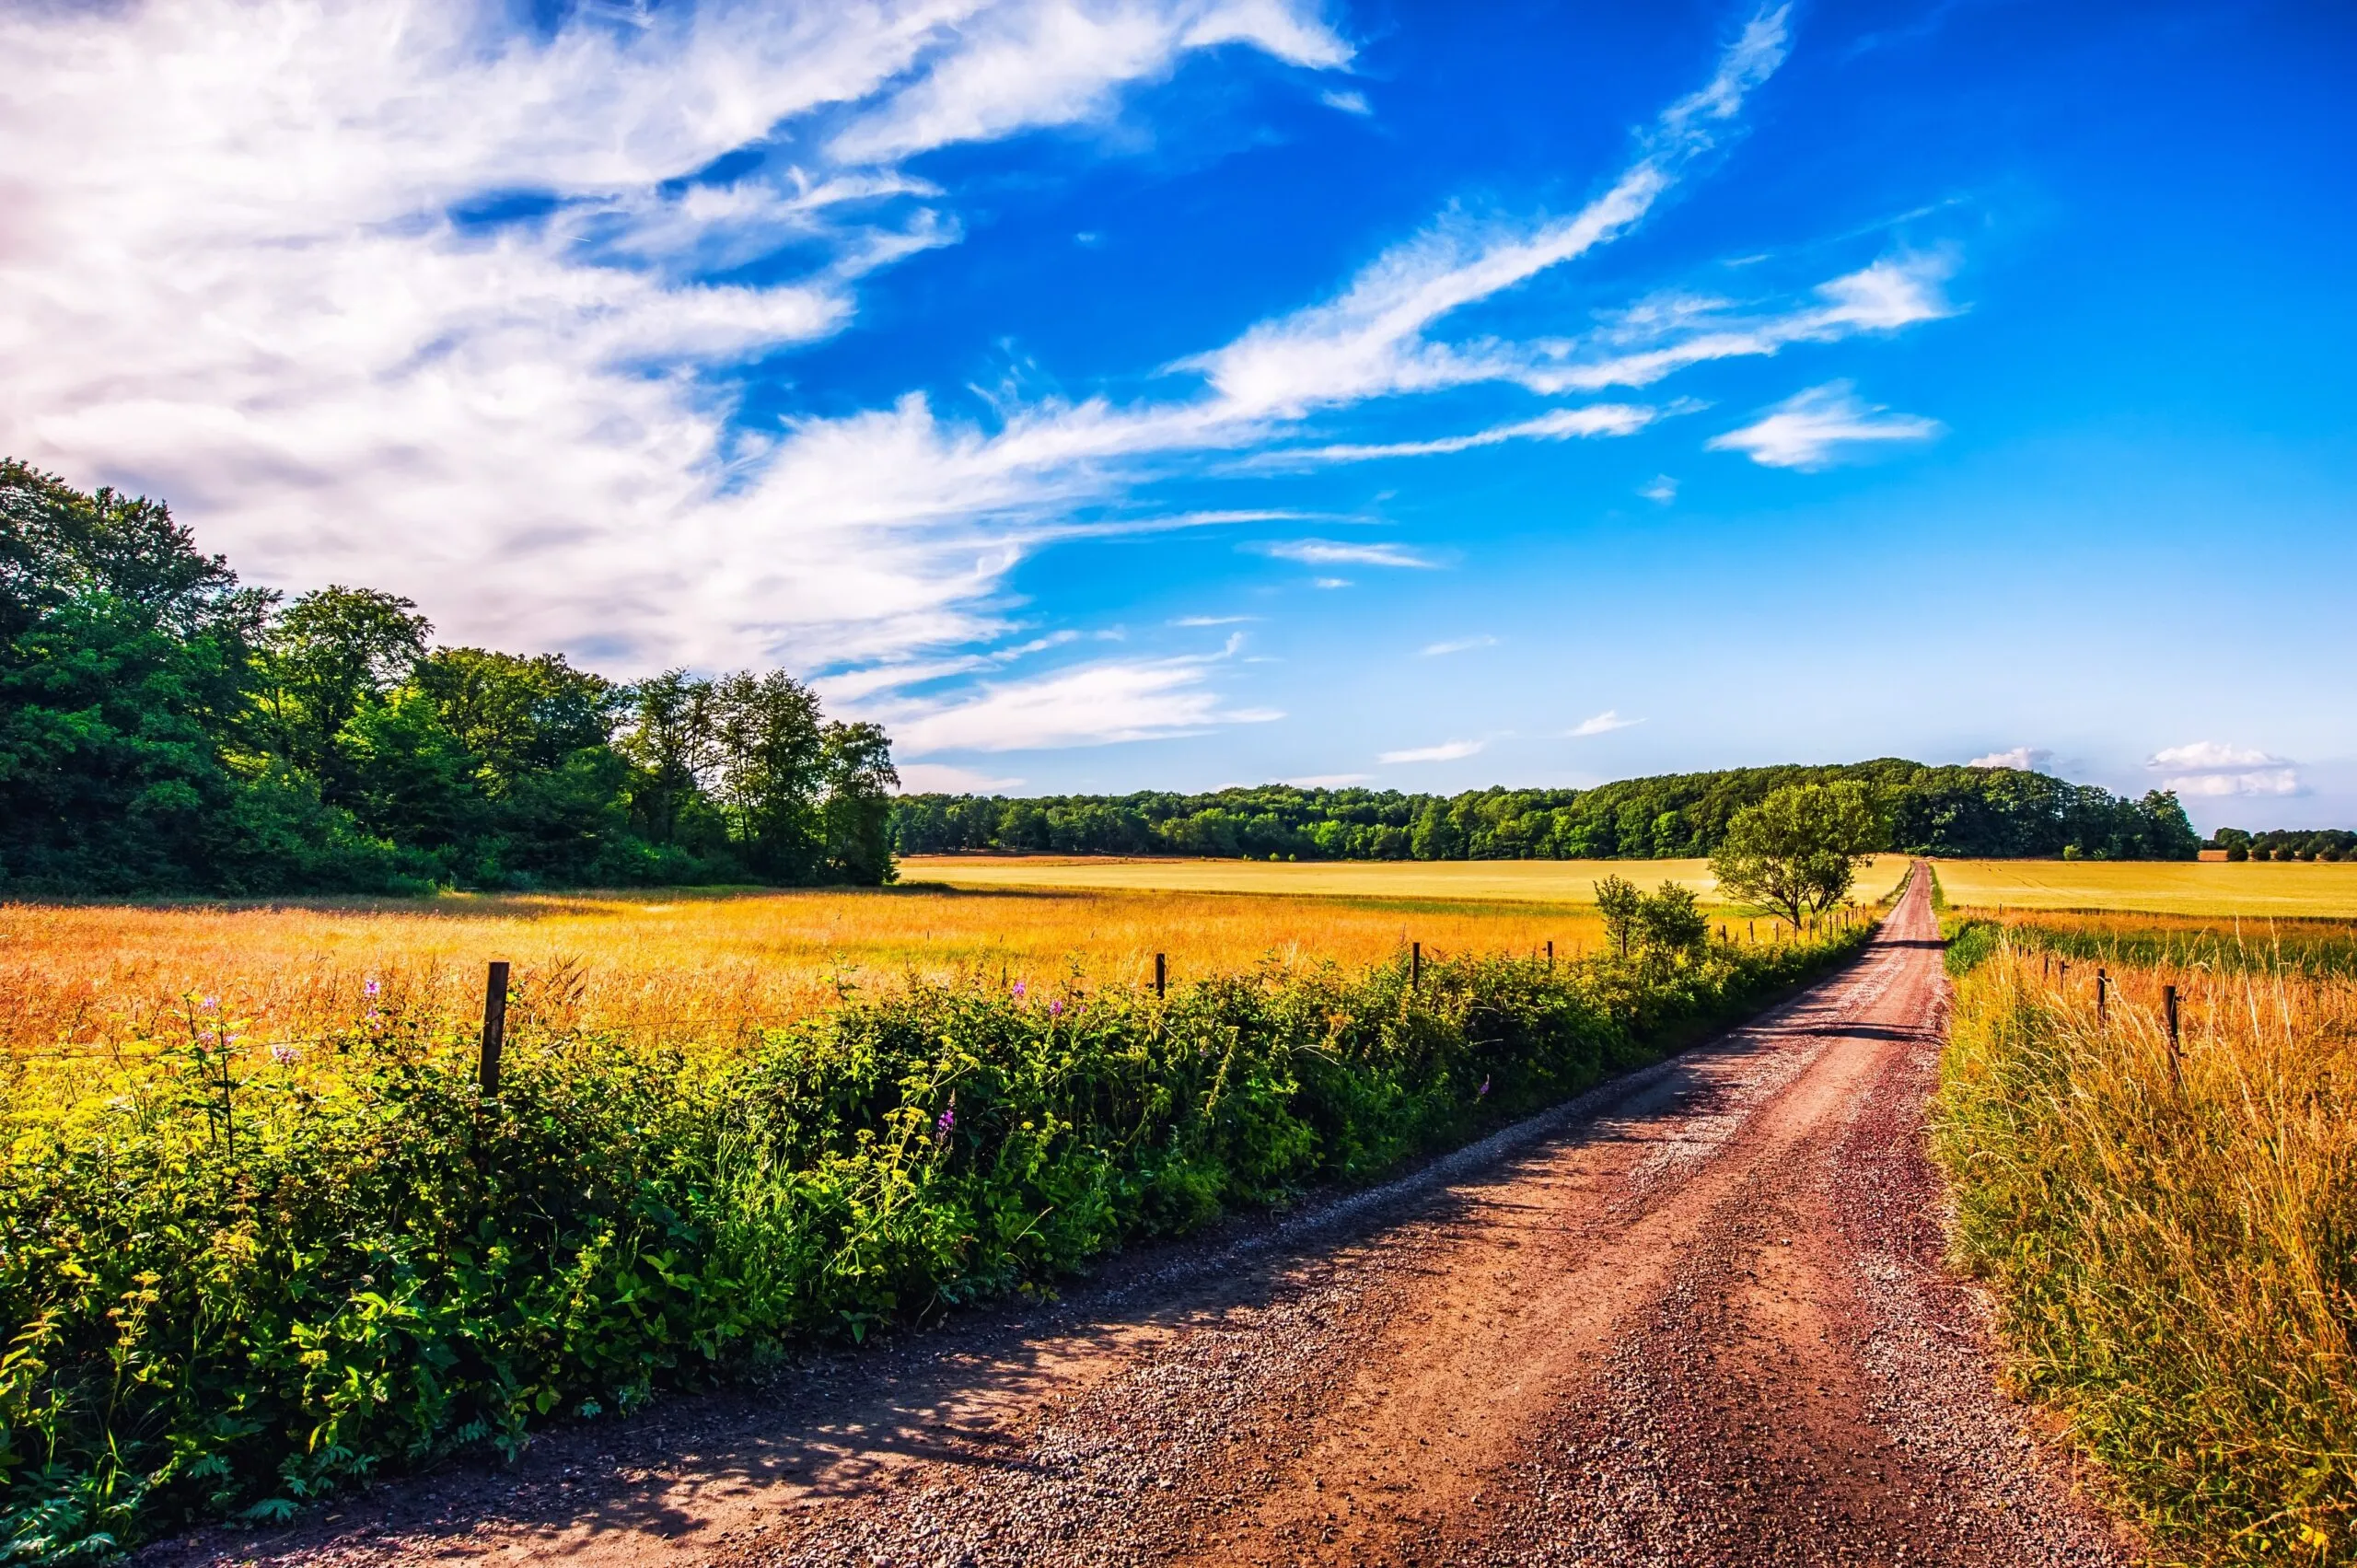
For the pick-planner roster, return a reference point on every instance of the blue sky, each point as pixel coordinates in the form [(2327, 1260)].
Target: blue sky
[(1172, 393)]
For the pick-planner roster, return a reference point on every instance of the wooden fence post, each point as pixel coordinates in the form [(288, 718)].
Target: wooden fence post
[(1550, 952), (495, 1027), (1415, 965), (1161, 974), (2103, 992), (2169, 1008)]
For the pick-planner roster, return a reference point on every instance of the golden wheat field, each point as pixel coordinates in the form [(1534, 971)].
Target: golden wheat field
[(675, 965), (1536, 881), (2314, 889)]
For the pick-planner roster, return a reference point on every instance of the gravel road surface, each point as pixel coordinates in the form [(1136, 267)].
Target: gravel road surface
[(1696, 1316)]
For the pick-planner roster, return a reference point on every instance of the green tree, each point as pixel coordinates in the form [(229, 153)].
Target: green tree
[(860, 780), (768, 752), (333, 652), (1798, 851)]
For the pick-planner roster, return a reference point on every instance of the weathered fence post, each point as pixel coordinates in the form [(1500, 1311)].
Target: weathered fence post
[(1415, 965), (2103, 992), (1161, 974), (495, 1027), (2168, 1008), (1550, 952)]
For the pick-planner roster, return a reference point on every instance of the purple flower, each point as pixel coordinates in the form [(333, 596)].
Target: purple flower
[(209, 1003), (1484, 1089), (284, 1055), (942, 1124), (1018, 988), (370, 989), (1056, 1008)]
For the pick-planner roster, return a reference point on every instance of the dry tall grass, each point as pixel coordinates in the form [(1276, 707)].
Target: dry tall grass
[(2172, 1235), (670, 966)]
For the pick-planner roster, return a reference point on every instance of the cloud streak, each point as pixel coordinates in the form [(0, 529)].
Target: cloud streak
[(1819, 427), (1446, 751)]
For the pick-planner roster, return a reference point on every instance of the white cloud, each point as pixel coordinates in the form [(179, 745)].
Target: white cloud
[(1010, 69), (1811, 429), (1462, 644), (1661, 490), (1597, 419), (236, 278), (1213, 620), (1446, 751), (2217, 767), (1328, 552), (2027, 758), (2262, 782), (1329, 582), (1348, 102), (238, 275), (2210, 755), (1327, 781), (1604, 723), (940, 778), (1089, 705)]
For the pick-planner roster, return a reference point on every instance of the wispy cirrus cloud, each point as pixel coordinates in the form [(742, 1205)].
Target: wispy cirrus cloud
[(1334, 553), (445, 280), (1446, 751), (1604, 723), (1820, 426), (1458, 646), (334, 274)]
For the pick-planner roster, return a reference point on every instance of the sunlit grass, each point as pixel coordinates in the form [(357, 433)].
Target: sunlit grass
[(2169, 1232)]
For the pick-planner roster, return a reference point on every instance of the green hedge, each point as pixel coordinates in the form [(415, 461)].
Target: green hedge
[(229, 1294)]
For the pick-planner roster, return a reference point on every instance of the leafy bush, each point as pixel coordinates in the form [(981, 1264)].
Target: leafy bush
[(235, 1284)]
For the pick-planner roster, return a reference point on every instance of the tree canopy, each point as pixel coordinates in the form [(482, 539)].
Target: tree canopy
[(164, 728), (1928, 810), (1797, 852)]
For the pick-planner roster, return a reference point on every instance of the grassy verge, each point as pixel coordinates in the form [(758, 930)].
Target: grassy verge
[(235, 1284), (2171, 1235)]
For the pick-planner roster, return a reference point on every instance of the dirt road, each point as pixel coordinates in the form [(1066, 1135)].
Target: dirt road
[(1696, 1316)]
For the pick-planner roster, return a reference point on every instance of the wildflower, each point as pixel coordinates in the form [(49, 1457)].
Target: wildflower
[(947, 1120), (370, 989), (1018, 988), (1056, 1008), (209, 1003), (283, 1054), (1484, 1089)]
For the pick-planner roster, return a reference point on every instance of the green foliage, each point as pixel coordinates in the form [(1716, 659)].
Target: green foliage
[(163, 729), (2286, 844), (1658, 927), (1798, 851), (234, 1289), (1939, 811)]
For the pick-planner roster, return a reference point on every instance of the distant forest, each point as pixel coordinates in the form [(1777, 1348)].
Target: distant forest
[(2286, 844), (1929, 811), (164, 729)]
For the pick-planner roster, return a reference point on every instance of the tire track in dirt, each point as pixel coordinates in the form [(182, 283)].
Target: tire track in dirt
[(1696, 1316)]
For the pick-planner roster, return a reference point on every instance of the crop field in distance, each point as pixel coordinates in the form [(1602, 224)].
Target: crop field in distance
[(2317, 890), (1534, 881), (678, 966)]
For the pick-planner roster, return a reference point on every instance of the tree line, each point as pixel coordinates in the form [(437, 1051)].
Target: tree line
[(1924, 810), (163, 727), (2286, 844)]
